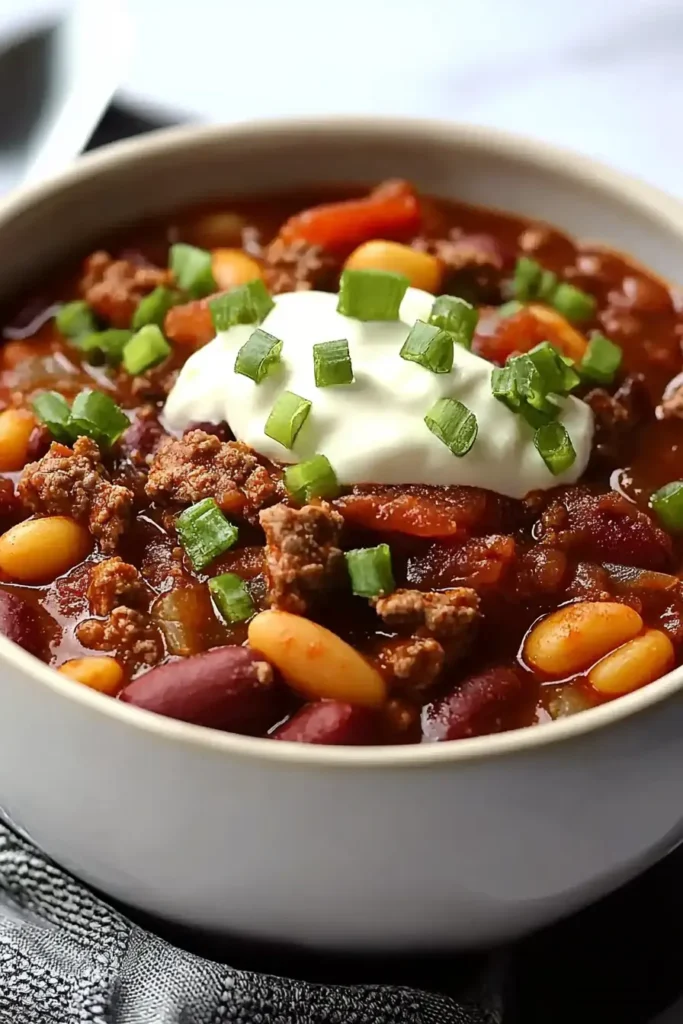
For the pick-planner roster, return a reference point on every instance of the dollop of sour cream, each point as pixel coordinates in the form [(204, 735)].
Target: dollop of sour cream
[(373, 430)]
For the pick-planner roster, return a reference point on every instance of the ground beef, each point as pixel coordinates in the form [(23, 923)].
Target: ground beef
[(298, 266), (474, 265), (303, 558), (114, 583), (126, 632), (200, 465), (113, 288), (74, 483), (447, 615), (617, 415), (412, 665)]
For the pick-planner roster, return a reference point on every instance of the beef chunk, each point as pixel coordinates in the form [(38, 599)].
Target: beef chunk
[(114, 583), (298, 266), (126, 632), (604, 528), (74, 483), (200, 465), (412, 665), (113, 288), (474, 265), (303, 559), (446, 616), (617, 415)]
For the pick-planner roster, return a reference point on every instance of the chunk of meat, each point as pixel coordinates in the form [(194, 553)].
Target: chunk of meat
[(200, 465), (113, 288), (474, 264), (479, 562), (297, 266), (412, 665), (617, 415), (604, 528), (419, 511), (191, 323), (114, 583), (446, 615), (74, 483), (127, 632), (303, 557), (671, 407), (476, 706)]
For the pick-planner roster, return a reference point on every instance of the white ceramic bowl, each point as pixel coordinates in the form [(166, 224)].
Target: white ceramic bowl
[(454, 844)]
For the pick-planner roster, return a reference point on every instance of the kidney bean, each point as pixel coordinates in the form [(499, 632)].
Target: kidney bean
[(21, 623), (39, 441), (143, 436), (225, 688), (330, 721), (474, 707)]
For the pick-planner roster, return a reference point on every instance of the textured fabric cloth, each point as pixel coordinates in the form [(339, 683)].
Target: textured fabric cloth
[(68, 958)]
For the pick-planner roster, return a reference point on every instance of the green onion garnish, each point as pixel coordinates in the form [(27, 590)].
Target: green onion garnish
[(504, 386), (454, 424), (457, 316), (555, 447), (527, 279), (259, 354), (52, 409), (535, 406), (248, 304), (601, 359), (370, 571), (332, 363), (667, 502), (430, 346), (75, 319), (145, 349), (192, 269), (557, 375), (287, 418), (371, 294), (313, 478), (572, 303), (97, 415), (509, 308), (105, 346), (153, 308), (231, 597), (547, 283), (205, 533)]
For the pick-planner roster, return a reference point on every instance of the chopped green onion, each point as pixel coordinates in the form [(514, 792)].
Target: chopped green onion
[(430, 346), (527, 279), (205, 533), (457, 316), (192, 269), (332, 363), (555, 447), (509, 308), (75, 319), (572, 303), (547, 284), (558, 375), (504, 386), (668, 504), (105, 346), (454, 424), (145, 349), (371, 294), (153, 308), (520, 387), (601, 359), (287, 418), (232, 597), (248, 304), (259, 354), (370, 571), (313, 478), (97, 415), (52, 409)]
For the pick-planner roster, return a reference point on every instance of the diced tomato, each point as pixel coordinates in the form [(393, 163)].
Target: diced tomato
[(191, 323), (497, 340), (417, 511), (390, 211)]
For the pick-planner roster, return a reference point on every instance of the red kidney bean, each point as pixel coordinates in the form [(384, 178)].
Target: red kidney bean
[(226, 688), (330, 721), (39, 441), (143, 436), (21, 623), (474, 707)]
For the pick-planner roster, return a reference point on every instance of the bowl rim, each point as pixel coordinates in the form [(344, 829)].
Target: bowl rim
[(568, 164)]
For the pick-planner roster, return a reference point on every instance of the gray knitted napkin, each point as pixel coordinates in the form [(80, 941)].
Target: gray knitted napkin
[(68, 958)]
